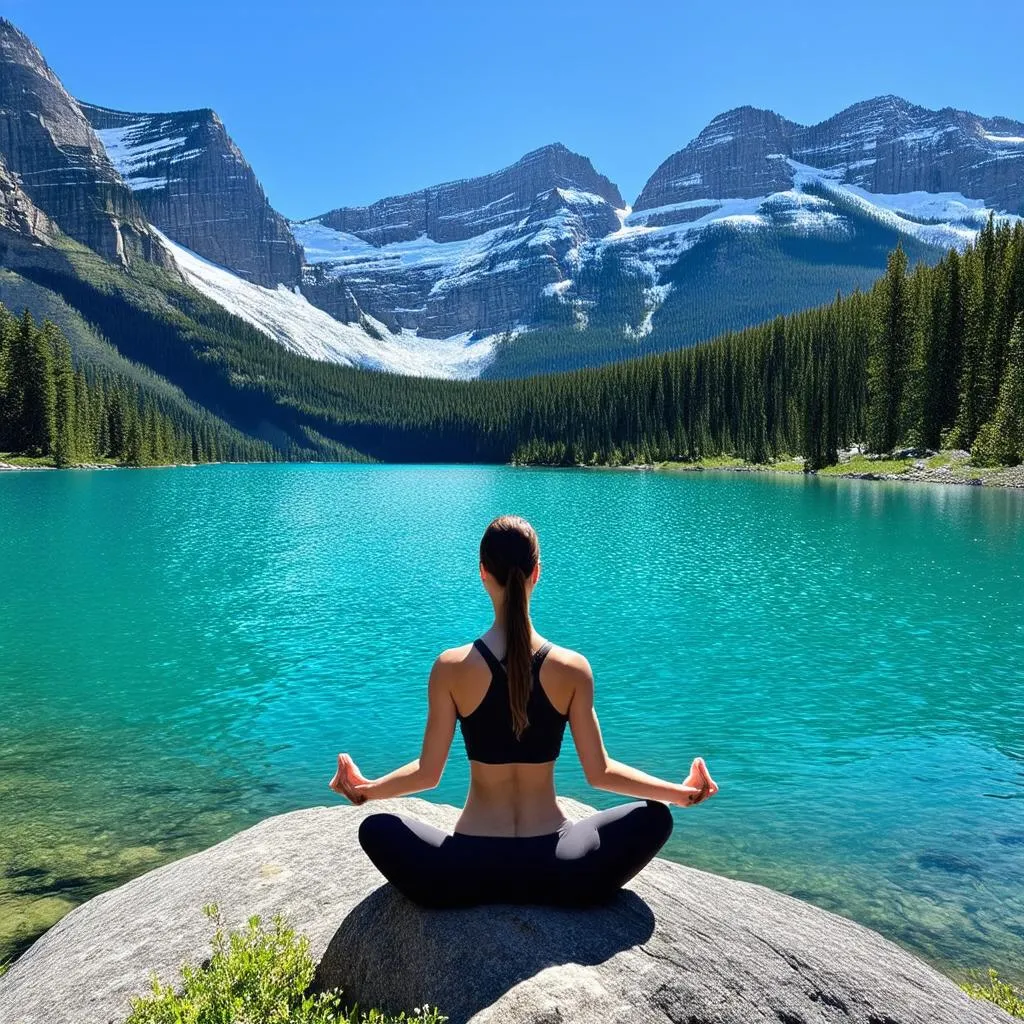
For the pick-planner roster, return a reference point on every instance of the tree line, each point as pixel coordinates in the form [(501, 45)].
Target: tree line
[(53, 410), (929, 356)]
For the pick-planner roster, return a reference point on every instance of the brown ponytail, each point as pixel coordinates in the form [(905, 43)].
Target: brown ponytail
[(509, 551)]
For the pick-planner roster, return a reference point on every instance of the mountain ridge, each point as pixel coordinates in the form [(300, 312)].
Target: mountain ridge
[(195, 185), (60, 164), (756, 216)]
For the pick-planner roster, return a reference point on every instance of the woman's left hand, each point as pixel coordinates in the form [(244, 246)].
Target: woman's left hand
[(349, 781)]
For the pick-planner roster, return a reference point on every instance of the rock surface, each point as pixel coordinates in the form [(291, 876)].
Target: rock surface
[(478, 255), (46, 141), (194, 184), (885, 145), (678, 945), (19, 215)]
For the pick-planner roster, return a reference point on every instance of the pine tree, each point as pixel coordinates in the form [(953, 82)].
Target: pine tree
[(8, 330), (889, 359), (65, 417), (1001, 439), (974, 384), (36, 423)]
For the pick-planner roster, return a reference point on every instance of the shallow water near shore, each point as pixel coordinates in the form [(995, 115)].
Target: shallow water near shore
[(183, 652)]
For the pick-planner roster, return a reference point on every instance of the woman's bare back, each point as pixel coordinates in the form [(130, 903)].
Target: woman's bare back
[(509, 799)]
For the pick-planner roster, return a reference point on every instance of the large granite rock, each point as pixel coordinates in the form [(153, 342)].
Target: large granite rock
[(48, 144), (885, 145), (678, 945), (194, 184)]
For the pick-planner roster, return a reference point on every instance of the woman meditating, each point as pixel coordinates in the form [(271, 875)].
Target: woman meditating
[(512, 692)]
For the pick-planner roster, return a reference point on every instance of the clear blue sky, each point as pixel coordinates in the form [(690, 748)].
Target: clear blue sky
[(341, 103)]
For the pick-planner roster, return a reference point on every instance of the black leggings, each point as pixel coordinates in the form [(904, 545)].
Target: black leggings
[(582, 864)]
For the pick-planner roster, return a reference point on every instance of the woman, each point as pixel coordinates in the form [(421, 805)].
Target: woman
[(512, 693)]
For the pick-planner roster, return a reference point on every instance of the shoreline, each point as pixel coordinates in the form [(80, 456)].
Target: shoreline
[(954, 470)]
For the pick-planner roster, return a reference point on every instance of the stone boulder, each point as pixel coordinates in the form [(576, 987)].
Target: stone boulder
[(678, 945)]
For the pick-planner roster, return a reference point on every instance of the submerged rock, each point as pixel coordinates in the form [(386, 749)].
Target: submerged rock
[(677, 945)]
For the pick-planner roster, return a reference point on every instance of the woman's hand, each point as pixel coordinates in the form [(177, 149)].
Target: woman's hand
[(349, 781), (700, 781)]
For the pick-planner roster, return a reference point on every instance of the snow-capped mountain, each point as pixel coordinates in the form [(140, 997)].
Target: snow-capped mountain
[(757, 216), (548, 242), (933, 174), (478, 255), (193, 183), (885, 146)]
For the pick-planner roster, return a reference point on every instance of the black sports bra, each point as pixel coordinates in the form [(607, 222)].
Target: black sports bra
[(488, 730)]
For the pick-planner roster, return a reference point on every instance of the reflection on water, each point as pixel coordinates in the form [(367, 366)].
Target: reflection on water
[(183, 653)]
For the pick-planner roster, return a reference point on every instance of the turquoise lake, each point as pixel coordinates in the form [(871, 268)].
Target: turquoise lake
[(184, 652)]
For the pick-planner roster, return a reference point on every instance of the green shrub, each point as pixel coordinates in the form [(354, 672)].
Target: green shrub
[(257, 976), (1002, 993)]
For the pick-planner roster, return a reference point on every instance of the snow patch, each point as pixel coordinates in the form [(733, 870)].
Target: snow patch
[(130, 156), (289, 319)]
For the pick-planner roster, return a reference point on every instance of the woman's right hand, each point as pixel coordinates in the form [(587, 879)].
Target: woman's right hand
[(347, 778), (699, 780)]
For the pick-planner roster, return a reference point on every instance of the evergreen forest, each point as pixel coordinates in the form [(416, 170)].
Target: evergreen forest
[(928, 357)]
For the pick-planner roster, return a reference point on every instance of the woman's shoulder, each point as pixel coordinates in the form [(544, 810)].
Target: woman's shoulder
[(458, 663), (567, 663)]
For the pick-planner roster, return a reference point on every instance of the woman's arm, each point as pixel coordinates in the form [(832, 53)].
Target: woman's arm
[(423, 773), (602, 772)]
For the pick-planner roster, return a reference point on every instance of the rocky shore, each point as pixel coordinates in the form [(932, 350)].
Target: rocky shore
[(947, 467), (677, 945)]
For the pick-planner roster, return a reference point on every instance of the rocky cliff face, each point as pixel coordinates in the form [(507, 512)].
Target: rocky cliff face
[(28, 237), (19, 215), (194, 184), (884, 146), (47, 143), (480, 255)]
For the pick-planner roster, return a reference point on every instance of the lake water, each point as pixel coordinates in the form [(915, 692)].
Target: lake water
[(184, 651)]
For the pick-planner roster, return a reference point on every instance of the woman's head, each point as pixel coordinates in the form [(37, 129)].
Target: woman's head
[(509, 567), (508, 544)]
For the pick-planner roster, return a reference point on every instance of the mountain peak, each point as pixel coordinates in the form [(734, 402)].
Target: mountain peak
[(457, 210), (63, 168), (885, 144), (196, 186)]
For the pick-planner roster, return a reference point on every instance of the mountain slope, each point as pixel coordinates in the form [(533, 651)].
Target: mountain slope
[(757, 216), (480, 255), (290, 319), (194, 184), (46, 141)]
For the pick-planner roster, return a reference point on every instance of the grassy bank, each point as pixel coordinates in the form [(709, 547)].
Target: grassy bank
[(12, 460), (950, 467)]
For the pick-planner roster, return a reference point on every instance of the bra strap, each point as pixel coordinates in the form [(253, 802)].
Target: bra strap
[(541, 653), (495, 666)]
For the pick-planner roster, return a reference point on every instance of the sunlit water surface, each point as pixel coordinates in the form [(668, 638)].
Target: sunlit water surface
[(183, 652)]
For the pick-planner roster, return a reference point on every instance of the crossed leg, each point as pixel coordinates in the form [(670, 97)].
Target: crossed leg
[(587, 863)]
